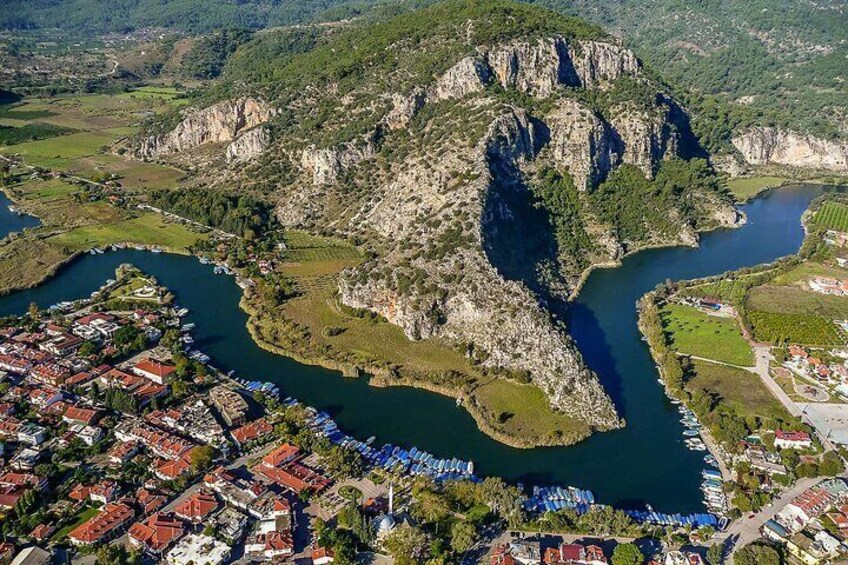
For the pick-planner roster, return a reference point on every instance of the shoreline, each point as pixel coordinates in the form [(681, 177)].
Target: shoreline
[(379, 377)]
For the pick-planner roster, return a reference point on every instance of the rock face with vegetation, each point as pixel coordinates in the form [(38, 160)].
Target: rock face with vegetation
[(484, 155), (776, 146), (222, 122)]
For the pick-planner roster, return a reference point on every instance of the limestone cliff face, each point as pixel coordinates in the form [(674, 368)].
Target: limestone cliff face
[(768, 145), (646, 138), (498, 316), (221, 122), (326, 165), (248, 146), (582, 143)]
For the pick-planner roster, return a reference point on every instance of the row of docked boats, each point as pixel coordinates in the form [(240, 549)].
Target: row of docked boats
[(713, 489), (259, 386), (551, 499), (412, 461)]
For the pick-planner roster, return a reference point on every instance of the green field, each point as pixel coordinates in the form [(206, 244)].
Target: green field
[(833, 216), (149, 229), (693, 332), (731, 291), (738, 389), (803, 329), (807, 270), (151, 92), (796, 300), (745, 188), (58, 152)]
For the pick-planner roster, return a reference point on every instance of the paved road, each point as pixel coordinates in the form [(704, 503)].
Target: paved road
[(745, 530), (762, 369)]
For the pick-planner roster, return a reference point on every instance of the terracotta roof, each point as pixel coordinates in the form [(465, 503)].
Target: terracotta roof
[(280, 455), (251, 431), (173, 468), (157, 532), (154, 367), (103, 524), (198, 506), (84, 415)]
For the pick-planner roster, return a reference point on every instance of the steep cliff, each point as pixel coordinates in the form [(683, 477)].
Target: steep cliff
[(767, 145), (480, 165), (221, 122)]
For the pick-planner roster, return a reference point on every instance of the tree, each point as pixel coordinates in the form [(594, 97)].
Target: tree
[(627, 554), (407, 545), (463, 536), (756, 554), (202, 458), (33, 311), (715, 554), (831, 464)]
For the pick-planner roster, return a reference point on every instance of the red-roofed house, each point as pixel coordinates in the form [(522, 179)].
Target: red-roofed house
[(104, 526), (155, 370), (197, 507), (156, 534), (792, 440), (270, 545), (253, 431), (87, 416), (102, 493), (322, 556), (170, 469), (148, 501), (281, 455), (501, 556), (42, 532)]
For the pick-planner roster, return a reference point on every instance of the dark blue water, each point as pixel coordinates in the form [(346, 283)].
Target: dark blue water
[(645, 462), (11, 222)]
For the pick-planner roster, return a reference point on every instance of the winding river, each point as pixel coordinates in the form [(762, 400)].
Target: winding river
[(646, 462), (11, 222)]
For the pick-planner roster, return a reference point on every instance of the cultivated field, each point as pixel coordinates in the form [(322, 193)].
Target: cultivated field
[(693, 332)]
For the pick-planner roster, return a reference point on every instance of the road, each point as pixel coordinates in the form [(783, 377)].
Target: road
[(745, 530), (763, 355)]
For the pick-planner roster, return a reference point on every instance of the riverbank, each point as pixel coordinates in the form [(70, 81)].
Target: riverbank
[(381, 376)]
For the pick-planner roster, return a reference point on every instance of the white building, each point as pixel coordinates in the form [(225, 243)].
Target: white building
[(198, 549)]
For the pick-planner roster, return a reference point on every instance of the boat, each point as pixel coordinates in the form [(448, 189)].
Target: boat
[(691, 433), (156, 250)]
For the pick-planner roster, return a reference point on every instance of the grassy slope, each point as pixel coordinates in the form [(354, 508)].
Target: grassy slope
[(693, 332), (741, 390), (746, 188)]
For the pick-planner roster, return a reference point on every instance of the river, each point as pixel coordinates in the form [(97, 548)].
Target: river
[(646, 462), (10, 222)]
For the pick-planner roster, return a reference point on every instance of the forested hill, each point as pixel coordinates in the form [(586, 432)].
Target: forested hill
[(192, 16), (784, 59)]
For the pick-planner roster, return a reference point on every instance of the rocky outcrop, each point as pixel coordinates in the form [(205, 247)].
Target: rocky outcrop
[(500, 317), (221, 122), (248, 146), (469, 75), (404, 109), (768, 145), (327, 165), (596, 62), (536, 68), (646, 137), (582, 143)]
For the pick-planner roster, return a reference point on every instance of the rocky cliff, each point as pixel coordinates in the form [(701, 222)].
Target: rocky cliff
[(221, 122), (768, 145)]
